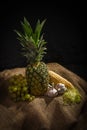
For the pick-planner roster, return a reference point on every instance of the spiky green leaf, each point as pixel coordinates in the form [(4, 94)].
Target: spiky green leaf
[(38, 30), (26, 28), (33, 44)]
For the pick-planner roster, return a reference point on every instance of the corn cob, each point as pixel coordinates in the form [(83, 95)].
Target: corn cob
[(56, 78)]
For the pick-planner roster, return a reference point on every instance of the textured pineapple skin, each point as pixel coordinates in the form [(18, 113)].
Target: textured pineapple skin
[(37, 78)]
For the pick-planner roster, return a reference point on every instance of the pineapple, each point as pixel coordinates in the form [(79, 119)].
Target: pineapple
[(33, 48)]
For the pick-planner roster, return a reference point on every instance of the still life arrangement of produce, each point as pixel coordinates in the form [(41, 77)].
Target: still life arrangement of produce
[(38, 80)]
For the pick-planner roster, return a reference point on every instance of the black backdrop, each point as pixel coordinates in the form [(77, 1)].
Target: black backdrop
[(64, 32)]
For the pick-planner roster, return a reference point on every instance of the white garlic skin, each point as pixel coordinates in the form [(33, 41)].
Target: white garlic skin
[(52, 92), (60, 88)]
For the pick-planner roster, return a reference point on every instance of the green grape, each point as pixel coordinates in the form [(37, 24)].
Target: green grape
[(14, 89), (78, 98), (18, 89), (25, 82), (24, 89), (30, 99), (27, 96), (18, 93), (22, 94), (33, 97), (72, 96), (10, 89)]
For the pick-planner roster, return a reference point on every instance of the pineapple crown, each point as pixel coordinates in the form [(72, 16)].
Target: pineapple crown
[(32, 42)]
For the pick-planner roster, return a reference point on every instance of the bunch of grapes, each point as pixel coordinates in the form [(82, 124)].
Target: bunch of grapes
[(72, 96), (18, 89)]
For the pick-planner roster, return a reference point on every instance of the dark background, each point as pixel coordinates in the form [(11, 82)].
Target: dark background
[(64, 31)]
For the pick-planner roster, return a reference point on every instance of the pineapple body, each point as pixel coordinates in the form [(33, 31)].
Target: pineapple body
[(37, 78)]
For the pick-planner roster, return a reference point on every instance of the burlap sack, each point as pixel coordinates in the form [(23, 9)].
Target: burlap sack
[(43, 113)]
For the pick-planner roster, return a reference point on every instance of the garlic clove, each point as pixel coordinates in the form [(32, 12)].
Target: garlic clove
[(52, 92), (60, 88)]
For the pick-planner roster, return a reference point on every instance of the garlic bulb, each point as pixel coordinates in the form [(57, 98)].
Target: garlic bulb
[(60, 88), (51, 92)]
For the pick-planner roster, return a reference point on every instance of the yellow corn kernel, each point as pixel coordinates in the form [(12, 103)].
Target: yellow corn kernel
[(56, 78)]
